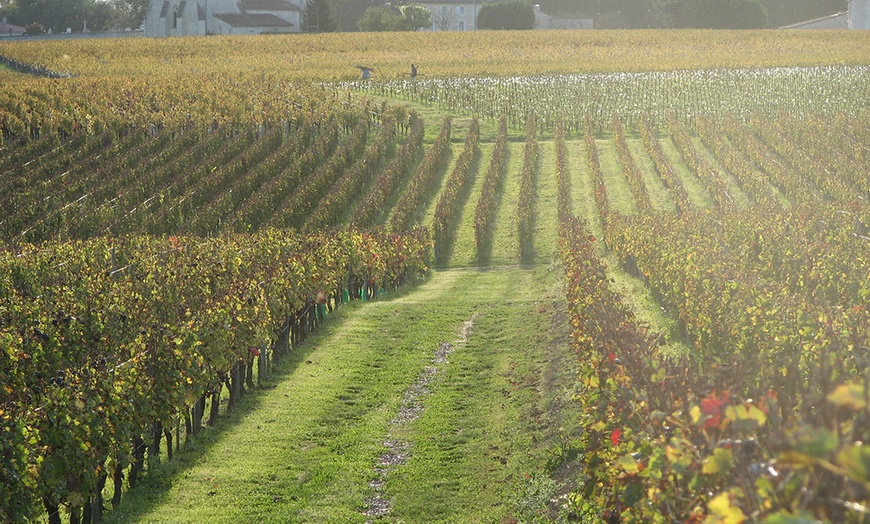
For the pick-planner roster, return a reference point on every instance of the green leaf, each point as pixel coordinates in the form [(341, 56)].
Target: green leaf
[(628, 463), (856, 461), (786, 518), (814, 442), (719, 463)]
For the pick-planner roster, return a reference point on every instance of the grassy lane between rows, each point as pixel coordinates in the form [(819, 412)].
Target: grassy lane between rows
[(505, 238), (305, 448), (494, 424), (546, 227), (463, 251)]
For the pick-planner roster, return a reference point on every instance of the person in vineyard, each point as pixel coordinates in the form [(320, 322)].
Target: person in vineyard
[(366, 72)]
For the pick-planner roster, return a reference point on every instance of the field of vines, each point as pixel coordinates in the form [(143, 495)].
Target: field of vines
[(173, 223)]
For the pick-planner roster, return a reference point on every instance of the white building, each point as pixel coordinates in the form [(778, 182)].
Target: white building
[(545, 21), (227, 17), (452, 15), (859, 14)]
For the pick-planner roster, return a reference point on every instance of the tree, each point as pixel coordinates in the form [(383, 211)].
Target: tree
[(320, 16), (717, 14), (350, 12), (416, 17), (59, 15), (128, 13), (445, 18), (515, 14), (406, 18)]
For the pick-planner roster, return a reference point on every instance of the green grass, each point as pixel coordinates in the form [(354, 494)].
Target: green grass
[(482, 433), (464, 248), (304, 448), (505, 238), (546, 229)]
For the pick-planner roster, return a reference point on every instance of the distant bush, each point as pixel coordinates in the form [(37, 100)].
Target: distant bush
[(515, 14), (34, 29)]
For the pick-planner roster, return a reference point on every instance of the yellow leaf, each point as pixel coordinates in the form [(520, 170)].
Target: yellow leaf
[(849, 395), (723, 512), (695, 413)]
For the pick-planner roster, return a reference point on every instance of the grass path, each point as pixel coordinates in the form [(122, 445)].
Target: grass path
[(305, 448)]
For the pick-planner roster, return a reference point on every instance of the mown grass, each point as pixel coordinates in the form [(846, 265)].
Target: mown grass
[(505, 238), (495, 408), (464, 248), (303, 449), (546, 227)]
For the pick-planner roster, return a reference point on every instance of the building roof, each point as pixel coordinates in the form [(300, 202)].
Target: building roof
[(253, 20), (268, 5), (5, 29)]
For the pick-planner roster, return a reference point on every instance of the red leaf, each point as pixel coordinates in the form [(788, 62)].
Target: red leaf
[(614, 436), (713, 406)]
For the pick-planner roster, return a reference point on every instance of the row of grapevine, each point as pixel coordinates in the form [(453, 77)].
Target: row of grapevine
[(176, 102), (335, 203), (799, 91), (312, 188), (699, 165), (327, 57), (784, 177), (767, 417), (600, 189), (423, 179), (109, 343), (629, 169), (456, 185), (779, 137), (214, 215), (489, 193), (528, 195), (564, 207), (262, 205), (663, 167), (751, 180), (369, 212)]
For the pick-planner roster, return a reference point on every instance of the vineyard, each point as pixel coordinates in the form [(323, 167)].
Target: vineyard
[(175, 225)]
